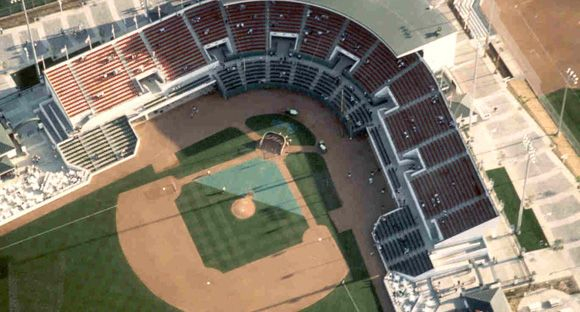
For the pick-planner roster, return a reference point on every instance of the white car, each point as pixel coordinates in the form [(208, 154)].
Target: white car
[(322, 146), (292, 112)]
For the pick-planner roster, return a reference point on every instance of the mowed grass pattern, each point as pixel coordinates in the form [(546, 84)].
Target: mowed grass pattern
[(296, 132), (225, 242)]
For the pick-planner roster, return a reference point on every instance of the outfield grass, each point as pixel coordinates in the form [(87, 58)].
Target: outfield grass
[(297, 132), (357, 281), (225, 242), (531, 237), (572, 112), (313, 180), (82, 266), (216, 149)]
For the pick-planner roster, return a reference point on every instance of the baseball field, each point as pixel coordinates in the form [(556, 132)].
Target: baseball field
[(201, 220)]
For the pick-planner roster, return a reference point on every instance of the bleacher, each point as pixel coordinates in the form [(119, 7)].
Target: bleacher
[(135, 53), (413, 84), (101, 146), (442, 149), (207, 21), (230, 77), (104, 78), (68, 90), (356, 39), (414, 265), (326, 85), (248, 23), (174, 47), (321, 30), (304, 76), (440, 190), (55, 122), (280, 71), (380, 66), (286, 16), (400, 243), (255, 71), (418, 123), (465, 218)]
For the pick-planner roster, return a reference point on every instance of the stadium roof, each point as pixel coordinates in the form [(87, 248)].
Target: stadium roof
[(404, 25)]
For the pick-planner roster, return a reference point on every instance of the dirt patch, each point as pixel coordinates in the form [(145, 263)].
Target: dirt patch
[(244, 207)]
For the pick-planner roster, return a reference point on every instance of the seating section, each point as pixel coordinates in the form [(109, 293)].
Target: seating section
[(68, 90), (248, 24), (286, 16), (304, 76), (321, 30), (207, 21), (280, 71), (101, 146), (380, 66), (55, 122), (400, 244), (415, 265), (326, 85), (230, 77), (174, 47), (417, 123), (440, 190), (442, 149), (393, 223), (255, 71), (136, 55), (104, 78), (356, 39), (463, 219), (413, 84)]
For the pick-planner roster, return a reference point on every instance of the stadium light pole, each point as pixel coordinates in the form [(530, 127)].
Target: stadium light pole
[(531, 152), (474, 86), (350, 296), (31, 40), (570, 80)]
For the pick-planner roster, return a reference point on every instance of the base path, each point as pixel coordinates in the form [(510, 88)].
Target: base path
[(160, 250), (160, 138)]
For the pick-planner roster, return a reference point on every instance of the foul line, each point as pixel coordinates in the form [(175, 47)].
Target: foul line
[(57, 228)]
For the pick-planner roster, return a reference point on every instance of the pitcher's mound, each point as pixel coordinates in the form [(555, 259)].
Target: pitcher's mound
[(244, 207)]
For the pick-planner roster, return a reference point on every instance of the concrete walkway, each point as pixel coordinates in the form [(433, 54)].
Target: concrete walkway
[(552, 191)]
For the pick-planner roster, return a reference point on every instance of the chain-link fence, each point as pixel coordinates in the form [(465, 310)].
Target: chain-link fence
[(544, 51)]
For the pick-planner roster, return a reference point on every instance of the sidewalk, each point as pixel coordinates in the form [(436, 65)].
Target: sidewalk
[(497, 142)]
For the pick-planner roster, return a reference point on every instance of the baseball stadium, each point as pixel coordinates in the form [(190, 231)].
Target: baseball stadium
[(258, 155)]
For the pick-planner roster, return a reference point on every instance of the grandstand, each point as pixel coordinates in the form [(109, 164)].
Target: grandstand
[(378, 82)]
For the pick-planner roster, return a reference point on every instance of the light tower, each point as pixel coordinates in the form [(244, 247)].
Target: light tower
[(570, 80), (531, 152)]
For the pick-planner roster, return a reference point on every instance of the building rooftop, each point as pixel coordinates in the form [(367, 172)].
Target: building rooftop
[(403, 25)]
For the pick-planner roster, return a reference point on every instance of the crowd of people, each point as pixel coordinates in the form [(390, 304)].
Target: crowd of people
[(31, 187)]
